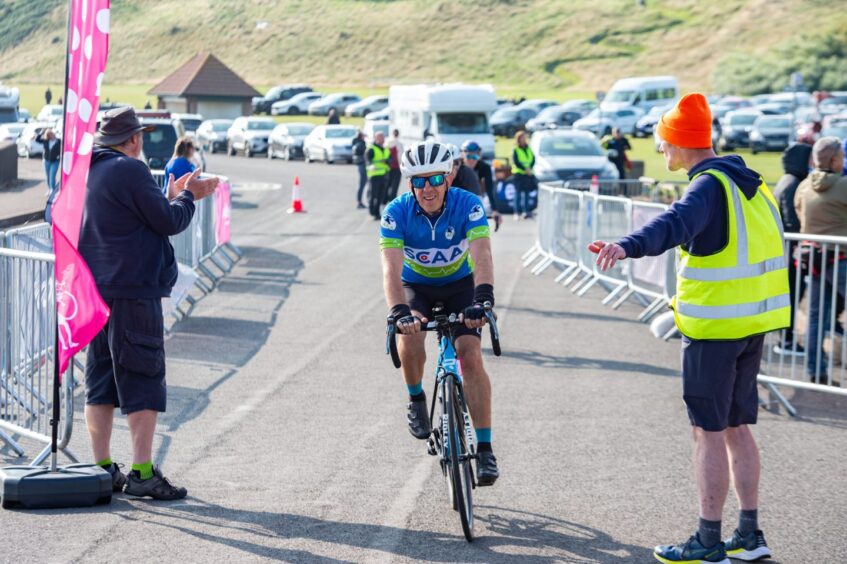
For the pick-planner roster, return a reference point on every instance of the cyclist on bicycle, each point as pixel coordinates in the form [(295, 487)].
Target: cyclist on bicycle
[(436, 247)]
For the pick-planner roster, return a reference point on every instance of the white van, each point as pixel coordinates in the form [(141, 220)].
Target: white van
[(9, 100), (449, 113), (641, 91)]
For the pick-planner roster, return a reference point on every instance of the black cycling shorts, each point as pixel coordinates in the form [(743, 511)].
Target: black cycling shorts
[(455, 296)]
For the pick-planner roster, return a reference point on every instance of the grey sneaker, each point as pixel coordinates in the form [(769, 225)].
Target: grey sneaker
[(749, 548), (118, 477), (157, 487), (418, 417)]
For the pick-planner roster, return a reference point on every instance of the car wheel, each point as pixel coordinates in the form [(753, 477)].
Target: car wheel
[(247, 152), (292, 111), (230, 150), (327, 159), (270, 153), (286, 153), (365, 112), (306, 157), (753, 149)]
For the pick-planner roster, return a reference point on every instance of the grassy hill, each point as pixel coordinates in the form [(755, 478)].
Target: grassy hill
[(531, 46)]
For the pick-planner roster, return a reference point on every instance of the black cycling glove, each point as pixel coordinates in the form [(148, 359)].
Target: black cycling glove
[(481, 294), (402, 312)]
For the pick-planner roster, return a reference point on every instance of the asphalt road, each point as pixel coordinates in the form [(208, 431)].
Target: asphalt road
[(286, 421)]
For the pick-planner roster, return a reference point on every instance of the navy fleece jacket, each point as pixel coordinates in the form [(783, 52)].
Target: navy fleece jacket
[(699, 221), (125, 228)]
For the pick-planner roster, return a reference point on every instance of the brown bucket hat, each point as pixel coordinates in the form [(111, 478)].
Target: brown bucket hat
[(118, 125)]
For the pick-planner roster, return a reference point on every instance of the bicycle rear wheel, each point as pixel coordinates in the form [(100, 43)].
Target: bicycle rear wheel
[(459, 458)]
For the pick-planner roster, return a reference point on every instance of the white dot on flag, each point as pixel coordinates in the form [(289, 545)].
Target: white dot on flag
[(103, 20), (99, 83), (75, 41), (67, 159), (84, 110), (85, 144), (72, 101), (88, 47), (84, 10)]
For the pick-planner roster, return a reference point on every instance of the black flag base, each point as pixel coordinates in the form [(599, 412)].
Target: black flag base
[(76, 485)]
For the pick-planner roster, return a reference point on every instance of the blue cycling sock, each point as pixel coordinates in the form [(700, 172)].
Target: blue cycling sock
[(416, 389), (483, 435)]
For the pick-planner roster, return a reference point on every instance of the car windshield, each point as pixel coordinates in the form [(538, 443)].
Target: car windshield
[(505, 114), (551, 113), (221, 125), (462, 123), (191, 124), (658, 110), (160, 142), (743, 119), (340, 133), (569, 147), (594, 114), (304, 96), (274, 92), (621, 95), (260, 125), (300, 129), (774, 122)]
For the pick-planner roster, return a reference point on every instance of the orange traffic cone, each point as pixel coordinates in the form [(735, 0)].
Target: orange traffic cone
[(296, 202), (595, 185)]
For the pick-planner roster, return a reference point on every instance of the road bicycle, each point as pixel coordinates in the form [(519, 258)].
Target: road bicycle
[(452, 435)]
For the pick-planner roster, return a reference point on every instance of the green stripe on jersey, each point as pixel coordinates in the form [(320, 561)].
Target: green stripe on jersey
[(479, 232), (438, 271), (389, 243)]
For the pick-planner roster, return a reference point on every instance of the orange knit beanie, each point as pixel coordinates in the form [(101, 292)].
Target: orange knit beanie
[(688, 124)]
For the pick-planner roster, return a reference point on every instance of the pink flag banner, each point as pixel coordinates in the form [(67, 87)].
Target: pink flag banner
[(223, 212), (80, 309)]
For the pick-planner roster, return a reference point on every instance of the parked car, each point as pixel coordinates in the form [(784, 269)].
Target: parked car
[(262, 104), (835, 126), (190, 122), (24, 116), (367, 105), (835, 99), (297, 104), (771, 133), (9, 101), (553, 117), (159, 144), (286, 140), (736, 127), (382, 115), (211, 135), (11, 131), (50, 112), (601, 123), (570, 155), (250, 135), (584, 107), (508, 121), (773, 108), (329, 143), (373, 126), (27, 146), (645, 124), (337, 101), (735, 102), (536, 105)]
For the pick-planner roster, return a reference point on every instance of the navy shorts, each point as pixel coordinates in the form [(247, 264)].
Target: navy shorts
[(455, 296), (126, 360), (719, 381)]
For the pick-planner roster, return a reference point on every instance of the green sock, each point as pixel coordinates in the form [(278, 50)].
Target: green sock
[(145, 470), (105, 463)]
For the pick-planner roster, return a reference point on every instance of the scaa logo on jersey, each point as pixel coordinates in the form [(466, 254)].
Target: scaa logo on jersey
[(388, 222), (434, 256), (477, 213)]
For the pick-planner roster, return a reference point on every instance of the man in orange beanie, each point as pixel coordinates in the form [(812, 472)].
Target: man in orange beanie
[(732, 288)]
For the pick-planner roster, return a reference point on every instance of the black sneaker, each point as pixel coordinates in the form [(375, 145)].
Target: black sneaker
[(157, 487), (118, 478), (789, 348), (418, 417), (486, 469), (361, 206), (749, 547)]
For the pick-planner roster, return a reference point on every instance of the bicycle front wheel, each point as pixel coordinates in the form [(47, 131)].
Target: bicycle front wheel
[(459, 458)]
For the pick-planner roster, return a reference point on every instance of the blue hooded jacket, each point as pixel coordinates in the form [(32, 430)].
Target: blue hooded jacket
[(700, 220), (125, 228)]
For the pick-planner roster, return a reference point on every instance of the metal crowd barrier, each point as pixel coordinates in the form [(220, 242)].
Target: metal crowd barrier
[(811, 355)]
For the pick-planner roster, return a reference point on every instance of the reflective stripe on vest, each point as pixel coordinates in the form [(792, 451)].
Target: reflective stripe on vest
[(525, 157), (379, 165), (741, 290)]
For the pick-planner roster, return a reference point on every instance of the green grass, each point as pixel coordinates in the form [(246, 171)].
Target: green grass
[(32, 95)]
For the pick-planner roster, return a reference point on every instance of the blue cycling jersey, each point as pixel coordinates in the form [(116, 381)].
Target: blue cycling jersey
[(435, 249)]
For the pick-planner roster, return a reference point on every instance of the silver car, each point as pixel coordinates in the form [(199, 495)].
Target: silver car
[(28, 147), (286, 140), (211, 135), (569, 155), (368, 105), (330, 143), (337, 101), (297, 104), (770, 133), (249, 135)]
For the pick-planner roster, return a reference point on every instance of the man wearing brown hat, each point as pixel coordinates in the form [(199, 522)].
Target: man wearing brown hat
[(732, 288), (124, 241)]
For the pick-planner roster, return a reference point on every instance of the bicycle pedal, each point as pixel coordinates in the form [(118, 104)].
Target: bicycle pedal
[(430, 449)]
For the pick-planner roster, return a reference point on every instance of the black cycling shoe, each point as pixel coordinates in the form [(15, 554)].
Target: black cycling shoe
[(418, 417), (486, 469)]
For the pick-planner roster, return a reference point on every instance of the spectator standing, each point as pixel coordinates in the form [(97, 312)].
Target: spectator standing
[(523, 161), (821, 202), (461, 176), (795, 163), (332, 117), (377, 158), (617, 145), (124, 240), (732, 288), (359, 147), (181, 162), (472, 158), (51, 156), (395, 149), (48, 96)]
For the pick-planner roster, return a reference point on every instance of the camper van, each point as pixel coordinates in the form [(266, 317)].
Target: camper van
[(9, 100), (643, 92), (449, 113)]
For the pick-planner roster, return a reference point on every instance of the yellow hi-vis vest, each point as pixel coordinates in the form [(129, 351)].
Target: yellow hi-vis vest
[(741, 290), (379, 165), (525, 157)]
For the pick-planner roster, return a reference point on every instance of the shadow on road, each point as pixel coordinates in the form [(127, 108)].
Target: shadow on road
[(586, 316), (505, 535), (576, 362)]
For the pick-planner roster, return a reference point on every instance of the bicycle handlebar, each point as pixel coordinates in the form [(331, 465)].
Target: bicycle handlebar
[(442, 322)]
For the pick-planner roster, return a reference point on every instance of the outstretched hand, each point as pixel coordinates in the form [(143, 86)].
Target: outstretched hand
[(608, 254), (199, 188)]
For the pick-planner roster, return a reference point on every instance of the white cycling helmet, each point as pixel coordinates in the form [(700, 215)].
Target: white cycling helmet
[(429, 157)]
